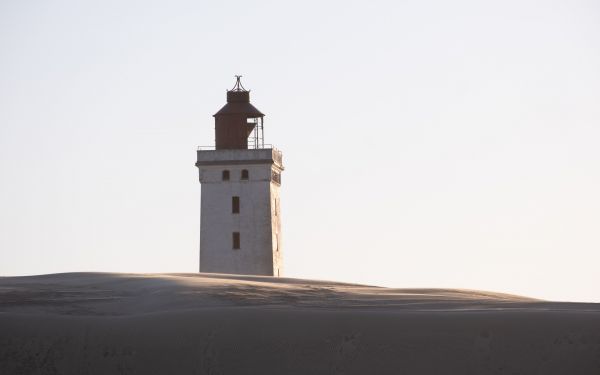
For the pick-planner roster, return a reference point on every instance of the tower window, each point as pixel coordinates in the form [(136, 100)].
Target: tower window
[(225, 175), (236, 240), (235, 205), (276, 177), (245, 174)]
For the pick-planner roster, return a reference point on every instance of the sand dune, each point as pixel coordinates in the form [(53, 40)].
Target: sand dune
[(102, 323)]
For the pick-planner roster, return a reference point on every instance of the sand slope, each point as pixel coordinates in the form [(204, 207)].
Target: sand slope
[(100, 323)]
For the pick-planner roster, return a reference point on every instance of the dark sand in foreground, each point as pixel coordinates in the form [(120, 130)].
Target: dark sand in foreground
[(101, 323)]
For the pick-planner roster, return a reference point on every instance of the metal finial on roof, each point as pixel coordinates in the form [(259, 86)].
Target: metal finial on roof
[(238, 84)]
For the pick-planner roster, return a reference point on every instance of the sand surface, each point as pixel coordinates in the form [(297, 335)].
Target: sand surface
[(103, 323)]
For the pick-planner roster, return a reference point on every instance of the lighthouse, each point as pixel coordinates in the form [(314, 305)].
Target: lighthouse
[(240, 177)]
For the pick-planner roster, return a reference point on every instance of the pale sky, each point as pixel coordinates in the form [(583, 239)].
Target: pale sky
[(451, 144)]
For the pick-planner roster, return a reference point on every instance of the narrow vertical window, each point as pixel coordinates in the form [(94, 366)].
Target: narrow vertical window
[(236, 240), (225, 175), (235, 205), (245, 174)]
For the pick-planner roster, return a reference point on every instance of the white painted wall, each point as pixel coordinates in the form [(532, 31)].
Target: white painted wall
[(258, 221)]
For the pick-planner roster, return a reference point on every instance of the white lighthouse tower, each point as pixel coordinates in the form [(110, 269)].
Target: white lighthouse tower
[(240, 231)]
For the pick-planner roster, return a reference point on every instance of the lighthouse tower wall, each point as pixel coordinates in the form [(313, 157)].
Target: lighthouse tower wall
[(240, 211)]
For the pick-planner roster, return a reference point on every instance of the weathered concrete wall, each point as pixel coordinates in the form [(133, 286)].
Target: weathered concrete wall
[(258, 221), (276, 230)]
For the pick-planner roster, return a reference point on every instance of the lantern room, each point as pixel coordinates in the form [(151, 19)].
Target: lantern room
[(238, 125)]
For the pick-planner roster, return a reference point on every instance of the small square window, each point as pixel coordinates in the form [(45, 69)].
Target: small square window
[(225, 175), (245, 174), (236, 240), (276, 177)]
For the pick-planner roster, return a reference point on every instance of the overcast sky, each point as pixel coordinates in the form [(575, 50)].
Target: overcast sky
[(427, 143)]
